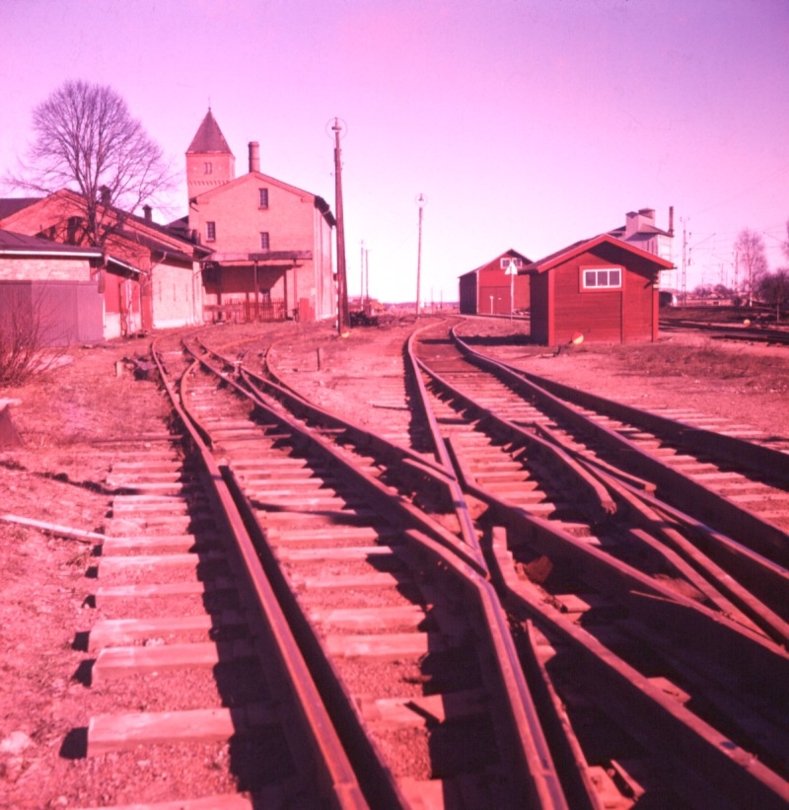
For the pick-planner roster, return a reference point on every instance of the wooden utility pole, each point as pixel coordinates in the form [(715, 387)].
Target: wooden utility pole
[(420, 201), (343, 317)]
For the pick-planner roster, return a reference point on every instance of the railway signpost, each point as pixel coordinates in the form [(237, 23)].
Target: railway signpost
[(512, 271)]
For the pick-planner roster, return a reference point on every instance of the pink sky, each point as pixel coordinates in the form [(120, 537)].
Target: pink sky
[(526, 123)]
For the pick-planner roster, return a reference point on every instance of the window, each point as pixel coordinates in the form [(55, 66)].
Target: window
[(264, 240), (504, 262), (597, 278), (208, 167), (263, 192), (210, 231)]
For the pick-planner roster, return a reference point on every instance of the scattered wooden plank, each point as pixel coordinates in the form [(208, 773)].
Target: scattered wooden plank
[(53, 528)]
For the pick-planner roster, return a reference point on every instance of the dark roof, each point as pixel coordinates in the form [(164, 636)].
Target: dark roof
[(645, 232), (209, 137), (10, 205), (567, 253), (182, 253), (17, 243)]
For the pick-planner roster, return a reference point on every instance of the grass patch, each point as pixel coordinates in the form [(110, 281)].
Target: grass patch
[(759, 373)]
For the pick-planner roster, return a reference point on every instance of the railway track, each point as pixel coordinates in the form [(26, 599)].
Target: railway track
[(199, 697), (775, 336), (406, 636), (458, 570), (725, 483), (584, 609), (563, 531)]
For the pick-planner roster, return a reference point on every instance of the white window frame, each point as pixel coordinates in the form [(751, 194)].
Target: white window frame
[(604, 277), (504, 262)]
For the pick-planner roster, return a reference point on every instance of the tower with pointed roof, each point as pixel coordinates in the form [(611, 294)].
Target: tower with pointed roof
[(270, 242), (209, 161)]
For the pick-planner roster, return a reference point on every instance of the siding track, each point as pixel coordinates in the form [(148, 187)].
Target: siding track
[(391, 606), (659, 676), (582, 547), (191, 658), (486, 561)]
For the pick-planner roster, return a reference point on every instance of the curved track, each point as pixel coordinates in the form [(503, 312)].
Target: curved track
[(612, 580), (486, 560), (391, 606), (191, 658), (573, 534)]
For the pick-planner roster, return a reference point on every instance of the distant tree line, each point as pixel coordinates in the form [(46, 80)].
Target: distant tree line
[(759, 284)]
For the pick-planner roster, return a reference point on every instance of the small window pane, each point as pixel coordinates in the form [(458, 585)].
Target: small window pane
[(602, 278)]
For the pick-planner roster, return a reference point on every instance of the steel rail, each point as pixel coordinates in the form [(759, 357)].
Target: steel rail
[(331, 761), (756, 334), (734, 646), (740, 452), (398, 460), (711, 579), (725, 561), (467, 528), (533, 764), (635, 591), (608, 485), (730, 776), (621, 578), (719, 511)]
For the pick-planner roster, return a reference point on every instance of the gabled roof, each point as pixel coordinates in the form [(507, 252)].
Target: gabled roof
[(10, 205), (133, 229), (259, 177), (18, 244), (209, 137), (511, 252), (570, 252)]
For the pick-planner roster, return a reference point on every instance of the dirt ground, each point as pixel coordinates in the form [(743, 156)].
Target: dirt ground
[(69, 417)]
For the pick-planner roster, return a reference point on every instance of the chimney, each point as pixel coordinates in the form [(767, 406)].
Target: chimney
[(147, 212), (254, 156), (631, 224), (671, 220), (104, 195)]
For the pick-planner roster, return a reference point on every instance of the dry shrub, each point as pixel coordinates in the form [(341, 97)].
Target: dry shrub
[(23, 324)]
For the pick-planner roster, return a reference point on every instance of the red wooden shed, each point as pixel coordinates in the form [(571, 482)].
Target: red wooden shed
[(603, 289), (487, 289)]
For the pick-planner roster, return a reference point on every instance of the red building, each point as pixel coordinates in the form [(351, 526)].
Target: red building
[(495, 287), (270, 242), (48, 291), (148, 278), (603, 289)]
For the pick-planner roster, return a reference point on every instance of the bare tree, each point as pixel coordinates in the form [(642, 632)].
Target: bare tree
[(749, 250), (86, 140), (785, 245), (774, 290)]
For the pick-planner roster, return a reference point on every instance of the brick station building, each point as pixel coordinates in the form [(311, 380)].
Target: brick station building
[(270, 242), (145, 277)]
